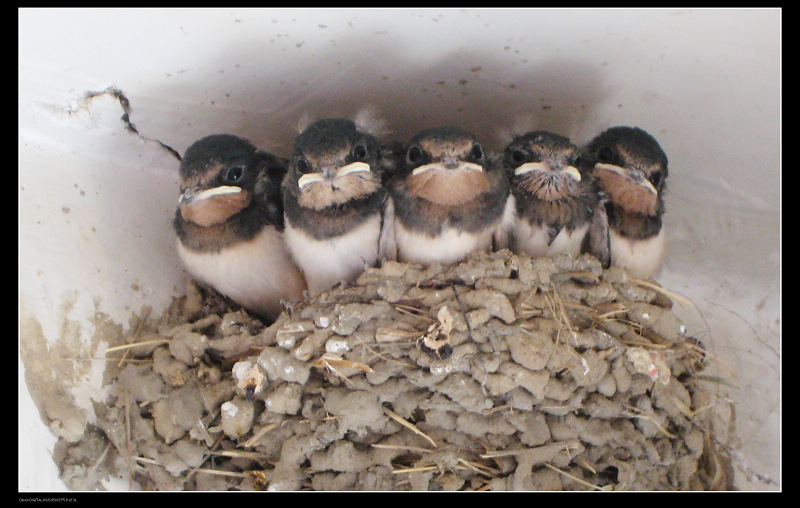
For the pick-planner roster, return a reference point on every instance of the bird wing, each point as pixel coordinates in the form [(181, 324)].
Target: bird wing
[(597, 240), (502, 236), (387, 244)]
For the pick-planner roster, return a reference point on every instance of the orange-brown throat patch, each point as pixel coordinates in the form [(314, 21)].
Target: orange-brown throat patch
[(319, 195), (216, 209), (448, 187), (625, 193)]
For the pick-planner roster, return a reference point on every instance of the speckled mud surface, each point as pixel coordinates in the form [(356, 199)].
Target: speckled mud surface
[(500, 373)]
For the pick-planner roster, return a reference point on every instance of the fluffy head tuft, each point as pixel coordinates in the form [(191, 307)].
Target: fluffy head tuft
[(368, 120)]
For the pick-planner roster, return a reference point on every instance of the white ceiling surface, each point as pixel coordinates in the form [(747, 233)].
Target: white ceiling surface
[(96, 200)]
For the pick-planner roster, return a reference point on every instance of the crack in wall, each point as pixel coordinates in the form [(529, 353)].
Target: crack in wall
[(125, 103)]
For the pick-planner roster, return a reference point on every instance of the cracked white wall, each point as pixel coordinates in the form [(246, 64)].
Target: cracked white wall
[(95, 200)]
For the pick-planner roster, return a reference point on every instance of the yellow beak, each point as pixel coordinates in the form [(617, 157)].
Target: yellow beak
[(640, 180), (469, 166), (541, 166), (355, 167)]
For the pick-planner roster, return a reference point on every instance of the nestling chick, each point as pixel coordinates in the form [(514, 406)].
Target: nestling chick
[(450, 198), (229, 224), (559, 205), (632, 169), (334, 201)]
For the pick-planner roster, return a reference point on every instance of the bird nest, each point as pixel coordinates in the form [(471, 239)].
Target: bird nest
[(499, 373)]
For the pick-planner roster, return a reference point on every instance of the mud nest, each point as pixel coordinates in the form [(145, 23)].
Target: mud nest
[(500, 373)]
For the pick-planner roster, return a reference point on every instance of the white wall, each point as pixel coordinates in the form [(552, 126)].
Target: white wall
[(95, 200)]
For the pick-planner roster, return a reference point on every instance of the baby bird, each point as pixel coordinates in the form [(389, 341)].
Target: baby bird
[(450, 198), (632, 169), (229, 224), (559, 205), (334, 201)]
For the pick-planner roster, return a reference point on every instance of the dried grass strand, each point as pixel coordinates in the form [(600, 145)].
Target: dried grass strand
[(635, 412), (670, 294), (255, 437), (413, 428), (402, 447), (136, 344), (574, 478), (415, 469)]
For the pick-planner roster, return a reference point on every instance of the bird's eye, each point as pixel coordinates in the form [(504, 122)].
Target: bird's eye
[(414, 154), (303, 166), (655, 179), (518, 156), (477, 152), (605, 154), (359, 152), (234, 174)]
